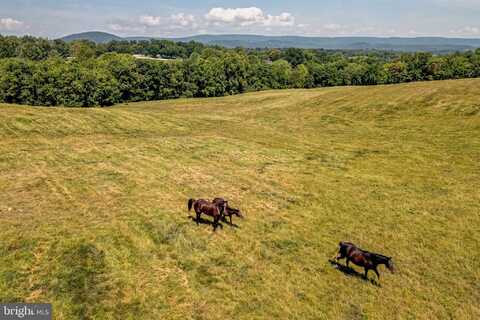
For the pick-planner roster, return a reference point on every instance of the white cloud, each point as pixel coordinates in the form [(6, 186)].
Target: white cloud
[(127, 26), (183, 20), (251, 19), (333, 27), (464, 4), (174, 21), (242, 16), (248, 17), (283, 20), (10, 24), (150, 21), (123, 26), (466, 31), (147, 24)]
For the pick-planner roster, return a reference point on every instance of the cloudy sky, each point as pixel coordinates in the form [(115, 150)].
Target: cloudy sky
[(55, 18)]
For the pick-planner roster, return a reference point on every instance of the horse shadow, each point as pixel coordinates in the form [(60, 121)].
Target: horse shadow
[(204, 221), (233, 225), (350, 272)]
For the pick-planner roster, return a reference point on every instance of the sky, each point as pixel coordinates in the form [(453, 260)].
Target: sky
[(409, 18)]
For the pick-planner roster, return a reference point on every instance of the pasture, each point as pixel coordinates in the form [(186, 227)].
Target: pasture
[(93, 205)]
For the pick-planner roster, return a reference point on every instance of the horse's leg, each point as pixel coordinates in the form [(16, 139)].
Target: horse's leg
[(348, 261), (366, 273), (198, 217), (378, 274), (338, 256), (231, 220), (215, 223)]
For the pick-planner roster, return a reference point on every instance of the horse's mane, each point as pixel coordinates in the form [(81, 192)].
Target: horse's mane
[(342, 243), (379, 256), (372, 254)]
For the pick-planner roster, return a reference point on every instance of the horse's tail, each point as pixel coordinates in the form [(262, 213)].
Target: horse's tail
[(190, 204)]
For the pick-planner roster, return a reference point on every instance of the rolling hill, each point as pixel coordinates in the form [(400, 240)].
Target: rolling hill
[(95, 36), (94, 218), (345, 43), (431, 44)]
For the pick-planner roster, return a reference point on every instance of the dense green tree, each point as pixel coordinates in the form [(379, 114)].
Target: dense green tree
[(281, 72), (9, 47), (107, 91), (124, 69), (417, 65), (78, 86), (212, 81), (475, 64), (354, 74), (395, 72), (34, 49), (43, 72), (259, 74), (460, 66), (48, 82), (235, 69), (16, 81), (160, 80), (191, 75), (274, 55), (60, 48), (295, 56), (438, 68), (83, 50), (300, 77)]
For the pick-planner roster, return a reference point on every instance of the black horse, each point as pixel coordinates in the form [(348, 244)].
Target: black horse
[(362, 258), (210, 209), (228, 210)]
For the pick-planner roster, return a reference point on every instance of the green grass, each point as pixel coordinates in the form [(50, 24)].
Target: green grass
[(93, 205)]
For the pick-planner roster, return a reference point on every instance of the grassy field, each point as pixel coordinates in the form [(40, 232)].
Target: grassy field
[(94, 220)]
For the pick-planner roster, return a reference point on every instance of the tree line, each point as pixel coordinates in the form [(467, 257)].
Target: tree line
[(37, 71)]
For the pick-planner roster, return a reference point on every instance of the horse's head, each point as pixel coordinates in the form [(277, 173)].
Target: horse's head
[(223, 206), (218, 201), (390, 266), (236, 212)]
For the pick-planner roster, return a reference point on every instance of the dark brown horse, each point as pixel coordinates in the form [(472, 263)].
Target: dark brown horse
[(210, 209), (228, 210), (362, 258)]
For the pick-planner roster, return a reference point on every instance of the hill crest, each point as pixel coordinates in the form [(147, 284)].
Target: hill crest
[(430, 44), (95, 36)]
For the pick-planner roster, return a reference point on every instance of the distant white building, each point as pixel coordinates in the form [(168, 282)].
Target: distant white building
[(159, 58)]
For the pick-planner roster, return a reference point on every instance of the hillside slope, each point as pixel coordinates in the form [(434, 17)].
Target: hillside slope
[(94, 220)]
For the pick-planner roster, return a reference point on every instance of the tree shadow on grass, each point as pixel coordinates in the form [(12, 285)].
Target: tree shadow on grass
[(350, 272)]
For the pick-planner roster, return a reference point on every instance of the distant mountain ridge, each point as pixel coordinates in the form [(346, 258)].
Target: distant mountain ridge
[(432, 44)]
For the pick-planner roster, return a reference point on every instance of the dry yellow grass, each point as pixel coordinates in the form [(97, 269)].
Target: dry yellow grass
[(93, 204)]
